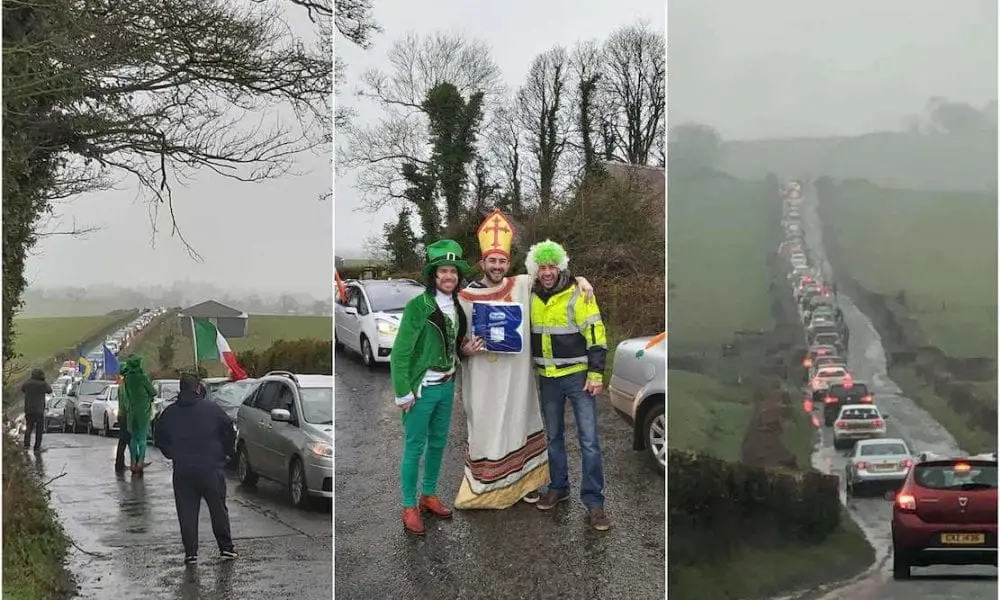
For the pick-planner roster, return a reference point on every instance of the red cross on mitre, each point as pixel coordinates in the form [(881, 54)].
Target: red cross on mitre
[(495, 234)]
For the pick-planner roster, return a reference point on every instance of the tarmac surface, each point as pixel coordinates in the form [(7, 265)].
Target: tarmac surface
[(516, 553), (867, 362), (127, 541)]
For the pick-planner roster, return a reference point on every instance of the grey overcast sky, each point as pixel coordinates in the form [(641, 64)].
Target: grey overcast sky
[(784, 68), (517, 30), (271, 237)]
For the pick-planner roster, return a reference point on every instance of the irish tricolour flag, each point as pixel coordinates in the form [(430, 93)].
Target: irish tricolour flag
[(210, 345)]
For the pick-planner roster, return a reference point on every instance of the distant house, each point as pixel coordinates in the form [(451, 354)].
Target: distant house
[(230, 321)]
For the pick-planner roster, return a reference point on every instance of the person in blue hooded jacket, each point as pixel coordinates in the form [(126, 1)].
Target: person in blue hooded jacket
[(198, 436)]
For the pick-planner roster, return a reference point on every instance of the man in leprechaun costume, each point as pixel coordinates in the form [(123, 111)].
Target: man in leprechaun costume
[(422, 364), (506, 459)]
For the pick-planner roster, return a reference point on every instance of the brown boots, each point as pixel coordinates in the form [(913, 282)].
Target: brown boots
[(413, 522)]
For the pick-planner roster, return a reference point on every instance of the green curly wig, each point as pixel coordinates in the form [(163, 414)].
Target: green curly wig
[(546, 253)]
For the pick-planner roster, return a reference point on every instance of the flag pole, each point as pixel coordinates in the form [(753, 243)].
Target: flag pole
[(194, 343)]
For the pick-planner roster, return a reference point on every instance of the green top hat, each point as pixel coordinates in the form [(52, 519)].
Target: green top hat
[(444, 253)]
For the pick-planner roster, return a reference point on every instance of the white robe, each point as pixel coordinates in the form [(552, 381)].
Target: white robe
[(506, 456)]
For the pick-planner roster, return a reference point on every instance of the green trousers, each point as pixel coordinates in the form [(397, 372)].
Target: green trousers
[(425, 426), (138, 433)]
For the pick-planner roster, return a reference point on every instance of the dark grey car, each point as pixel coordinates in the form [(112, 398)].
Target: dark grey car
[(77, 409)]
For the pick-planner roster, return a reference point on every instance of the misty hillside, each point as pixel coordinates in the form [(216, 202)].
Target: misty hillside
[(906, 160)]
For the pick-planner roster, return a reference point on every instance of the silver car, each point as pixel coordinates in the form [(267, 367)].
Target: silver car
[(882, 463), (638, 391), (285, 434)]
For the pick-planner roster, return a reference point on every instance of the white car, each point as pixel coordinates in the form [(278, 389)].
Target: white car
[(104, 412), (368, 322), (877, 463), (827, 376), (857, 422)]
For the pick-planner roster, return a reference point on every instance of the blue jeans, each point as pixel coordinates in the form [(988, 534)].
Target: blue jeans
[(553, 392)]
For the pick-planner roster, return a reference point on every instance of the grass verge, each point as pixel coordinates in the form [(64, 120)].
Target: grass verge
[(970, 437), (755, 573), (34, 544)]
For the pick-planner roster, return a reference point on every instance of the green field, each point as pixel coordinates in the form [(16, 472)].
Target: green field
[(719, 239), (262, 331), (938, 247), (706, 416), (39, 339)]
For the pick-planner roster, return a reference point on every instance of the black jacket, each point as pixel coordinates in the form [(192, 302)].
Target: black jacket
[(34, 390), (195, 433)]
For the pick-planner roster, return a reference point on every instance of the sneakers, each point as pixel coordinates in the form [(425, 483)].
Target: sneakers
[(228, 555), (598, 519), (191, 559), (532, 497), (550, 499)]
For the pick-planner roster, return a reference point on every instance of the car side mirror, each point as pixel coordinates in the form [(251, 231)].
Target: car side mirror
[(280, 415), (350, 310), (886, 417)]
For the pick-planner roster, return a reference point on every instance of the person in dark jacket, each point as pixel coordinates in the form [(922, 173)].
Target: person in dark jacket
[(35, 389), (198, 437)]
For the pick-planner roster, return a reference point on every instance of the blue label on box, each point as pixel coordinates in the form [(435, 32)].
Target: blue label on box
[(500, 324)]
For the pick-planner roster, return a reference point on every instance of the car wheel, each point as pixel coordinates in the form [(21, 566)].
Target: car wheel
[(900, 564), (337, 344), (298, 490), (243, 469), (107, 427), (654, 430), (90, 427), (366, 352)]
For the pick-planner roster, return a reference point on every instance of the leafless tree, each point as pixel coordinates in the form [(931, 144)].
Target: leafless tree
[(418, 63), (355, 22), (505, 148), (542, 107), (635, 84)]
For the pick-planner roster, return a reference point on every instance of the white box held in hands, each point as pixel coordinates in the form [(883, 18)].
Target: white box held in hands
[(500, 324)]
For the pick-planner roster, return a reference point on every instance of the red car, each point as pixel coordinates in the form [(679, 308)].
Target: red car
[(946, 514)]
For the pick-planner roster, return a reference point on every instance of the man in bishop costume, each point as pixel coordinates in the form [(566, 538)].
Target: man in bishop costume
[(506, 460)]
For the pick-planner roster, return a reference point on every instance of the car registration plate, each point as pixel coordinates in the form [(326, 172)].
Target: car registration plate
[(963, 539), (885, 467)]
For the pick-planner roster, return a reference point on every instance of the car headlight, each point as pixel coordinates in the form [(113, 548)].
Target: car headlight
[(321, 449), (386, 328)]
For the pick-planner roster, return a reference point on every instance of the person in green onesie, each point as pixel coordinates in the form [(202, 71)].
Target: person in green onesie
[(135, 395), (422, 364)]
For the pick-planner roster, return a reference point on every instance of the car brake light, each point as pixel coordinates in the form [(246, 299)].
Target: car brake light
[(815, 383), (962, 467), (841, 425), (867, 398), (906, 502), (906, 464), (829, 400), (879, 423), (807, 363), (861, 465)]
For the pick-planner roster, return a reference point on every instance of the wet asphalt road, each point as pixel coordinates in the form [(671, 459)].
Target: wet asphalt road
[(128, 541), (867, 361), (517, 553)]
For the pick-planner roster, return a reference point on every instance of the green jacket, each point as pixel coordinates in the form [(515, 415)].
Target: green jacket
[(420, 343)]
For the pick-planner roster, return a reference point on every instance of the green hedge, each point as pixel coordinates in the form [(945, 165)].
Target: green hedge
[(307, 356), (716, 506)]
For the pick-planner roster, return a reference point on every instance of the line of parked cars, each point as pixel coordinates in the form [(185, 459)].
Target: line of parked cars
[(945, 507)]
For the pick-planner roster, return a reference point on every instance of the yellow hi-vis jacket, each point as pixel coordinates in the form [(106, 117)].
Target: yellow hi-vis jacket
[(567, 335)]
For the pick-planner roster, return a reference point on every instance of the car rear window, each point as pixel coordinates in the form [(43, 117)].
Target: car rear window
[(855, 391), (859, 414), (884, 449), (832, 373), (956, 475)]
